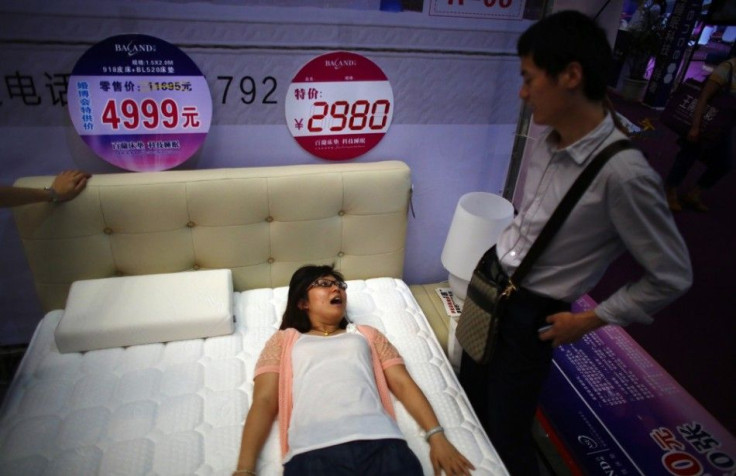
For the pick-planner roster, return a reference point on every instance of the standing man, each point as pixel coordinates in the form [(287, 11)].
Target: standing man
[(565, 61)]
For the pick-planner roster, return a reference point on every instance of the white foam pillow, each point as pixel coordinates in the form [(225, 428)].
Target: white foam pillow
[(130, 310)]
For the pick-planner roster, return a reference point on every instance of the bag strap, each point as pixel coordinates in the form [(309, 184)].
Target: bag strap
[(569, 201)]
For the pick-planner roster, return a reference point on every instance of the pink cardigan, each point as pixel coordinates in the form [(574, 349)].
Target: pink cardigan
[(276, 357)]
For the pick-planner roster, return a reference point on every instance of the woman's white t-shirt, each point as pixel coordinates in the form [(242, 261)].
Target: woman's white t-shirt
[(334, 394)]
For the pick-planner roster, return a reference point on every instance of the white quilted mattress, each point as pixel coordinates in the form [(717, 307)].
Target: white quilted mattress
[(178, 408)]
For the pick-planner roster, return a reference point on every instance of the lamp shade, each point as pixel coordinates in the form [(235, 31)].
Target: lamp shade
[(479, 219)]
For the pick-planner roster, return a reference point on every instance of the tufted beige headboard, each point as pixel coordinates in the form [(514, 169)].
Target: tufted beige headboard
[(261, 222)]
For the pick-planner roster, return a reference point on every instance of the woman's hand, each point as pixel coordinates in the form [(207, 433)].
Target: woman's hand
[(69, 184), (445, 457), (442, 453), (693, 135), (263, 410)]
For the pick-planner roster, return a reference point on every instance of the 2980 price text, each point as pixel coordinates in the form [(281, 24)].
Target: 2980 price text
[(355, 117)]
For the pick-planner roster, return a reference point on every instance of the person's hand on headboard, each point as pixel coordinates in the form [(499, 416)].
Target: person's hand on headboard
[(66, 186)]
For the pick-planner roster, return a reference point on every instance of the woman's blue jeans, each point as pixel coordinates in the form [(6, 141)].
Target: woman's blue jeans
[(363, 457)]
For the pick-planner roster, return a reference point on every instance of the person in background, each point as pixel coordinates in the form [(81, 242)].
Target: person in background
[(648, 13), (565, 62), (717, 154), (328, 381), (66, 186)]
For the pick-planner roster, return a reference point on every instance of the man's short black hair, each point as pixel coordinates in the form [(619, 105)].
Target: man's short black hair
[(563, 37)]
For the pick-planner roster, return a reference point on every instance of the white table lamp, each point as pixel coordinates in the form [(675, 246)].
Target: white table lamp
[(478, 221)]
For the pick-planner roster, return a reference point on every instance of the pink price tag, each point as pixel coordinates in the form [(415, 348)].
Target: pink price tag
[(339, 106), (139, 102)]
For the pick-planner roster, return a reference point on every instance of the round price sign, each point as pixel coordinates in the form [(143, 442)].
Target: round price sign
[(339, 106), (139, 102)]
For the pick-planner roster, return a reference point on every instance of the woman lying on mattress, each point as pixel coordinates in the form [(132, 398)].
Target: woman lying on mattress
[(329, 382)]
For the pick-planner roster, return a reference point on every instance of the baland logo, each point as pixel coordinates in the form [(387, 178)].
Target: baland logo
[(133, 49), (606, 468), (588, 442), (340, 63)]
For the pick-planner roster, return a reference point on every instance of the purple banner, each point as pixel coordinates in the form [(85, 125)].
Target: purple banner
[(617, 412)]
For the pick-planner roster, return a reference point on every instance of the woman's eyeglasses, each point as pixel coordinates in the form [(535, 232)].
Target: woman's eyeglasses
[(328, 283)]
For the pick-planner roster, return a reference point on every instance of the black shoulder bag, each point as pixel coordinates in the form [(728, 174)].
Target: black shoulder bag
[(477, 327)]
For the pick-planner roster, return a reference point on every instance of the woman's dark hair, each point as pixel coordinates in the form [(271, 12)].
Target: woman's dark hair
[(563, 37), (298, 288)]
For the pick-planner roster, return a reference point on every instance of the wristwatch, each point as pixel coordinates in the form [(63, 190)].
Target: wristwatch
[(53, 196)]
